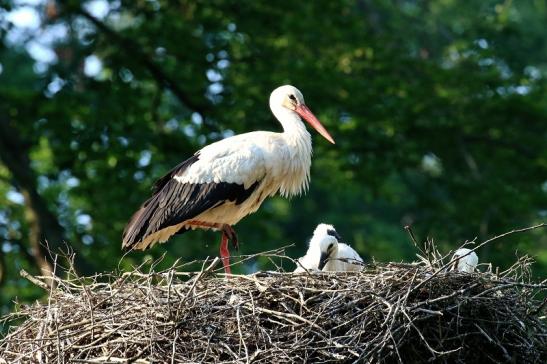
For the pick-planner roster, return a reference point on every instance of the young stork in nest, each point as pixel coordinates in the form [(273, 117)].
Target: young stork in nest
[(227, 180), (465, 260), (327, 253)]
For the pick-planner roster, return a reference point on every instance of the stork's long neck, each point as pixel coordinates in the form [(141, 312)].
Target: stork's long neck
[(298, 139), (295, 132)]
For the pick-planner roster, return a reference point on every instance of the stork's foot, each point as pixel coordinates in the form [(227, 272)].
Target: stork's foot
[(229, 232)]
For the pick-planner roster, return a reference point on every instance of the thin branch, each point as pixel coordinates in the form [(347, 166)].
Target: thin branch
[(34, 280), (408, 228), (371, 315), (479, 246)]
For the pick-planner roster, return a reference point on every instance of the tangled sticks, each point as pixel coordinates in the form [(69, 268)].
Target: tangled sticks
[(386, 313)]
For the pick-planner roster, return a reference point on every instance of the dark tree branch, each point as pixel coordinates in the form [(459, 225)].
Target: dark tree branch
[(42, 222), (135, 51)]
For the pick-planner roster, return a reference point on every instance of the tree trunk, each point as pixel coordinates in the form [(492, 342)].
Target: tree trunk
[(45, 230)]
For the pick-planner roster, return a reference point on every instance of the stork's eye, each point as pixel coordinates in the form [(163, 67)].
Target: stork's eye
[(330, 246), (292, 97)]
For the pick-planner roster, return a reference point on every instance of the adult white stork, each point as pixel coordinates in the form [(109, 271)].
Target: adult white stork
[(227, 180), (327, 253)]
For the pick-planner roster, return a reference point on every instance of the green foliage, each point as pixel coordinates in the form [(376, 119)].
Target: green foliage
[(438, 108)]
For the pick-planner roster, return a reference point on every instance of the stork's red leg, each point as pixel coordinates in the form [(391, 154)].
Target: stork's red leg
[(228, 233), (225, 254)]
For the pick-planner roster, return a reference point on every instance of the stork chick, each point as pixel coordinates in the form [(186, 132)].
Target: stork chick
[(326, 252), (465, 260)]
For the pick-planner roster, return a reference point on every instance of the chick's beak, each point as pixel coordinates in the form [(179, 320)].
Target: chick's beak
[(323, 259)]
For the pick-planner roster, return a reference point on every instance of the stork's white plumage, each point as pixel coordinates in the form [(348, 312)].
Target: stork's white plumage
[(326, 252), (465, 260), (229, 179)]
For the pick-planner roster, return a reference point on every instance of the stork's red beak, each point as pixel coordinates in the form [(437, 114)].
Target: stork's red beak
[(307, 115)]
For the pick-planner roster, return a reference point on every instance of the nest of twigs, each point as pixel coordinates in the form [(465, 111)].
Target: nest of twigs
[(387, 313)]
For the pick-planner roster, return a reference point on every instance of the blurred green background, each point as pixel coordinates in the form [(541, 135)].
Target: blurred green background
[(439, 110)]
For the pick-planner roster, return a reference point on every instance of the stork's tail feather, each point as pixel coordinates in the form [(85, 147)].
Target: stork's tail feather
[(137, 234), (148, 226), (132, 231), (151, 223)]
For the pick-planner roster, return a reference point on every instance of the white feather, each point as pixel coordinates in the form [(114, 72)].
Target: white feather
[(340, 257), (467, 260), (348, 254), (256, 156), (280, 161)]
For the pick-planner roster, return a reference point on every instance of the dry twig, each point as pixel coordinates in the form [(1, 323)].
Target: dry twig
[(392, 312)]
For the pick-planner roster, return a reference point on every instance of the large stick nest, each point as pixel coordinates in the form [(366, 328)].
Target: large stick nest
[(387, 313)]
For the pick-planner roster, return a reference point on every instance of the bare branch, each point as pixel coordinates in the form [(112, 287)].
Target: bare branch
[(273, 317), (479, 246)]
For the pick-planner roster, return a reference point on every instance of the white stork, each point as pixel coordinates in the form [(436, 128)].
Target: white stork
[(227, 180), (327, 253), (465, 260)]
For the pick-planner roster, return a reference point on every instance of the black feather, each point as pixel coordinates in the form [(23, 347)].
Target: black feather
[(174, 202), (333, 232), (178, 169)]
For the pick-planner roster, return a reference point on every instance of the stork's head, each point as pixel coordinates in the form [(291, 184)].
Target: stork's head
[(287, 101), (325, 239), (466, 260)]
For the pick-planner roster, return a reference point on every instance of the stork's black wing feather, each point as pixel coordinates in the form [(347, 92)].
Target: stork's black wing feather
[(178, 169), (174, 202)]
